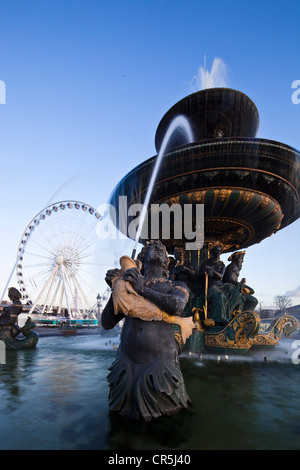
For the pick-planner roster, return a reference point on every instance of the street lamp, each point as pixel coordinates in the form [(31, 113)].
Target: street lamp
[(99, 309)]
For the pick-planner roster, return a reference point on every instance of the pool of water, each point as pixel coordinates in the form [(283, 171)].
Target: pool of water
[(55, 397)]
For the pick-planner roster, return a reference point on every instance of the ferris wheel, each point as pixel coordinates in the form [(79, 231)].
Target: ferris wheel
[(59, 260)]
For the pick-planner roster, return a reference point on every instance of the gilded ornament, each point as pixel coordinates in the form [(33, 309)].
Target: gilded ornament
[(222, 194), (286, 324)]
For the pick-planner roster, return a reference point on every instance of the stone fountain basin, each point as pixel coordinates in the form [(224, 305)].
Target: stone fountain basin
[(249, 186), (210, 111)]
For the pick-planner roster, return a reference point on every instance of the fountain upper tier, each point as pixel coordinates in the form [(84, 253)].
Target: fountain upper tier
[(211, 113), (250, 187)]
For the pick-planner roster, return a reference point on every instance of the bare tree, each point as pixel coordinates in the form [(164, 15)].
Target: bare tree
[(282, 302), (261, 307)]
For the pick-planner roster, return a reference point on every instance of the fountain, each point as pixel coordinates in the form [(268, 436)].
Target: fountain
[(249, 187), (251, 402)]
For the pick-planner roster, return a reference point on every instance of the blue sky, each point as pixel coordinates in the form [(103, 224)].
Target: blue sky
[(88, 81)]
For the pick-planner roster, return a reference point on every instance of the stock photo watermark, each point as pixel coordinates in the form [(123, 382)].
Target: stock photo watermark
[(2, 92), (296, 354), (160, 221), (296, 94), (2, 352)]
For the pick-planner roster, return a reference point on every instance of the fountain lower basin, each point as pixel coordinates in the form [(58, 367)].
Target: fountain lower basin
[(249, 187)]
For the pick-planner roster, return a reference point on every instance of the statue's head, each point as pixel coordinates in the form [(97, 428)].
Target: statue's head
[(237, 256), (14, 294), (216, 248), (156, 252), (179, 253)]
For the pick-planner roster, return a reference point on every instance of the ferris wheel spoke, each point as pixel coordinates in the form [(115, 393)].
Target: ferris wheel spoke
[(42, 274), (84, 235), (43, 247), (49, 241), (96, 276), (35, 265), (39, 256), (37, 281), (43, 289), (85, 244), (93, 263), (85, 255)]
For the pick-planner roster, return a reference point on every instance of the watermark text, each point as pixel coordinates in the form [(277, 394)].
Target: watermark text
[(296, 354), (2, 92), (2, 352), (161, 222), (296, 94)]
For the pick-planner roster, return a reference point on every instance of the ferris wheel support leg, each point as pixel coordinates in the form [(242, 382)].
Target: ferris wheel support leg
[(82, 293), (43, 290), (55, 295), (61, 297), (74, 313), (65, 291), (48, 294)]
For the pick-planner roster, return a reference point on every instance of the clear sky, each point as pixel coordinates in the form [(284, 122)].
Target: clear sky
[(87, 82)]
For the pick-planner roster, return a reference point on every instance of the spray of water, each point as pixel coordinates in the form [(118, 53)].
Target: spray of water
[(178, 122), (217, 77), (283, 353)]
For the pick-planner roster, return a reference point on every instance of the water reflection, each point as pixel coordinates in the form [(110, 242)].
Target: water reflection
[(55, 397)]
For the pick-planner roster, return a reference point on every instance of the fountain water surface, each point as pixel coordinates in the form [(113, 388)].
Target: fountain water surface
[(54, 397)]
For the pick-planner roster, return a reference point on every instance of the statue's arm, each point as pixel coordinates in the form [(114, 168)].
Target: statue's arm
[(212, 272), (190, 271), (108, 317), (172, 302)]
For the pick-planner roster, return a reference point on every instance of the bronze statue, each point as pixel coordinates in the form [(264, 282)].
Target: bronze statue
[(233, 269), (13, 336), (127, 301), (231, 275), (183, 270), (224, 297), (10, 314), (145, 379)]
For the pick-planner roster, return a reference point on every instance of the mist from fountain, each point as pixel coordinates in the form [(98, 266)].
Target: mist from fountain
[(216, 78), (285, 352), (179, 122)]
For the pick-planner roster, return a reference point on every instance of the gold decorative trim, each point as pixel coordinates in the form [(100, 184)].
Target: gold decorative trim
[(236, 335), (286, 324)]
